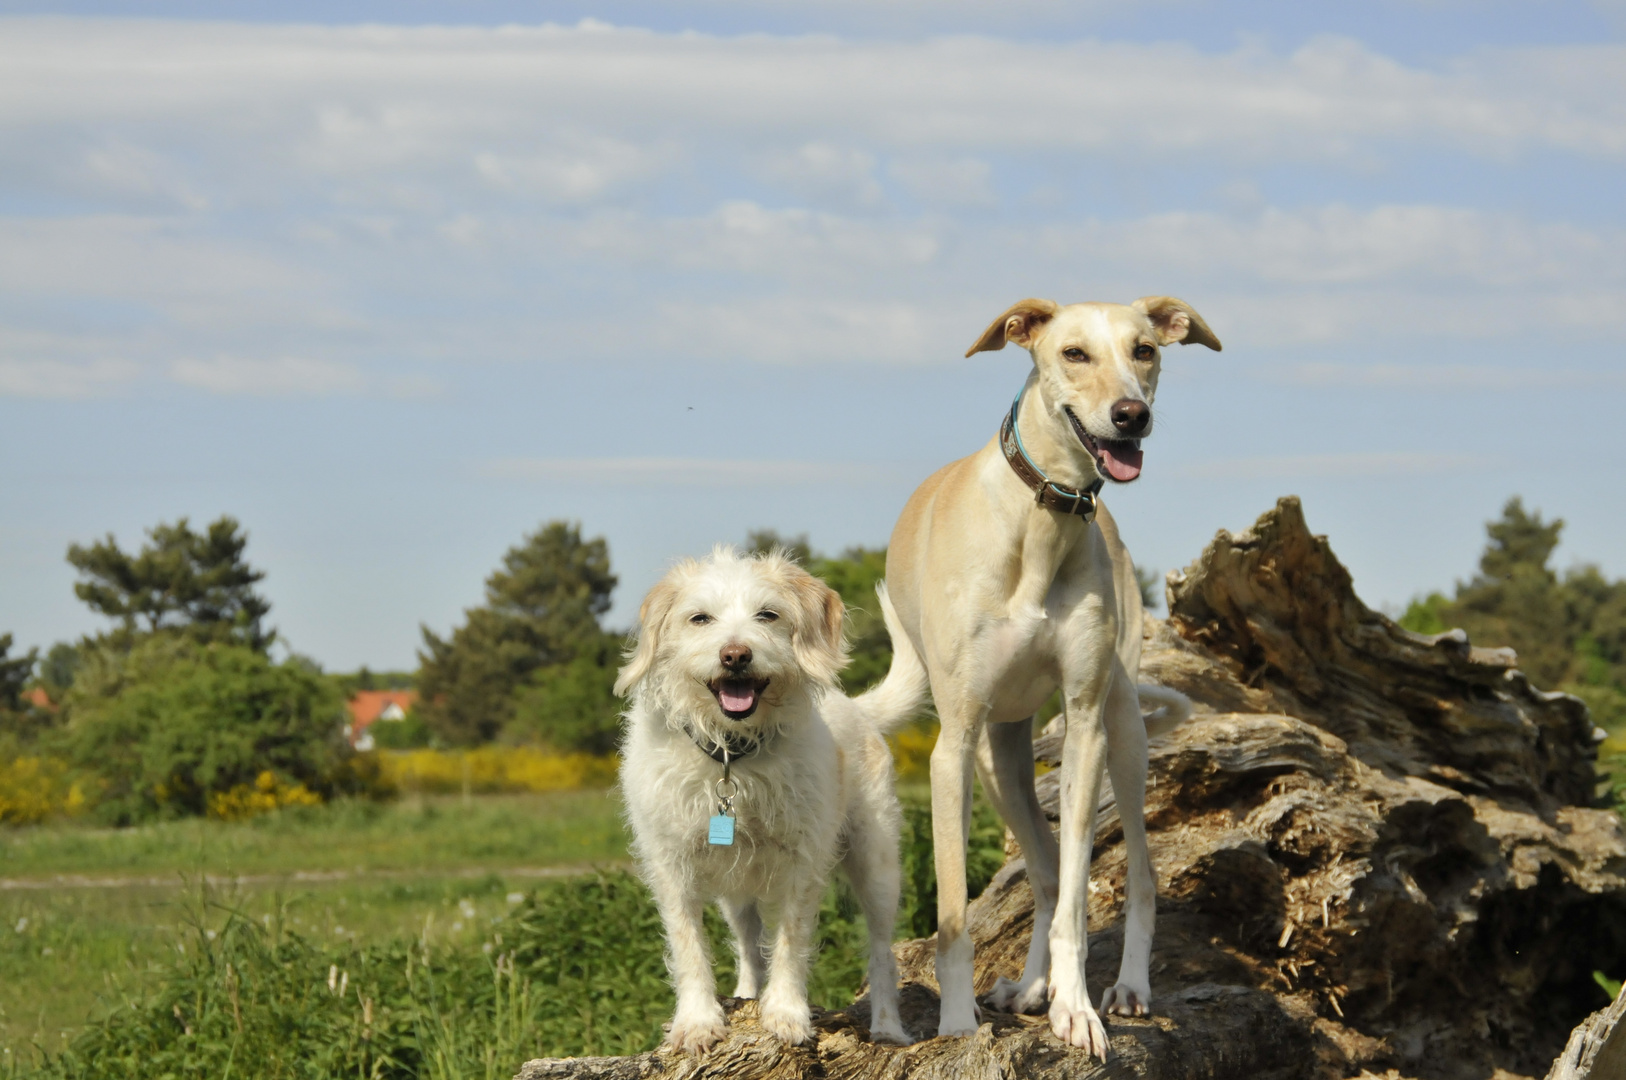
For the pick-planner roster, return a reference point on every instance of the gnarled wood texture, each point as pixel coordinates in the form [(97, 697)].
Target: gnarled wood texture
[(1377, 855)]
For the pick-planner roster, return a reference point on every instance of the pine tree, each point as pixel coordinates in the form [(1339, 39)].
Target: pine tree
[(15, 672), (198, 583), (542, 607)]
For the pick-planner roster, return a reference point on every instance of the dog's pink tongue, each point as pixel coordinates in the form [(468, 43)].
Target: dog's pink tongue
[(737, 696), (1122, 459)]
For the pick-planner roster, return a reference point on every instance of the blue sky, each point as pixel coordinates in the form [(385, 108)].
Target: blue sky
[(394, 283)]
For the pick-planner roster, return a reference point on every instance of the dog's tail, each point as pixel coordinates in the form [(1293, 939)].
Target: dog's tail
[(898, 697), (1172, 708)]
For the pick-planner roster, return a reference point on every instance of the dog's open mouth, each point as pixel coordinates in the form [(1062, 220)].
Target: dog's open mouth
[(1118, 458), (738, 698)]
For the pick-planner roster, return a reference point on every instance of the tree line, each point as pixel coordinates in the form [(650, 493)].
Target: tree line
[(1569, 630), (179, 698)]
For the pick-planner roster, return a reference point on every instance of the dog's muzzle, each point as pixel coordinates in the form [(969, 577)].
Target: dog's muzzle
[(1116, 459), (737, 697)]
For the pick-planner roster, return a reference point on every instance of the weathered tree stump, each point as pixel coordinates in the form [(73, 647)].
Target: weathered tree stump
[(1377, 855)]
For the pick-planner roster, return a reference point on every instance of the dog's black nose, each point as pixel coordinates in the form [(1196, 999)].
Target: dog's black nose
[(1131, 417), (735, 657)]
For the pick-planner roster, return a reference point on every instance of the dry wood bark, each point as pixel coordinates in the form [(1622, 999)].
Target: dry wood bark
[(1377, 855), (1597, 1047)]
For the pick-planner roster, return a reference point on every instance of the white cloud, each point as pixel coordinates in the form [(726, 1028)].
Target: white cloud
[(687, 472), (288, 376), (397, 109), (64, 379), (141, 259), (577, 171), (1379, 463), (1426, 376), (1339, 245), (366, 197), (798, 331), (827, 173), (958, 182)]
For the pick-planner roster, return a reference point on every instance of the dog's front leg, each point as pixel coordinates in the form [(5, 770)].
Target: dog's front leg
[(1083, 754), (953, 763), (784, 1003), (698, 1023), (1131, 995)]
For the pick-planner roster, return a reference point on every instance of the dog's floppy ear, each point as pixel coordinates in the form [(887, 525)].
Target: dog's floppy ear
[(1175, 320), (820, 647), (651, 615), (1018, 324)]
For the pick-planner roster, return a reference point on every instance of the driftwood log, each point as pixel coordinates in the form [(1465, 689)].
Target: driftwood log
[(1378, 855)]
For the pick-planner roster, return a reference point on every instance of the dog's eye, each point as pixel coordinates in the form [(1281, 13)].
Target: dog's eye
[(699, 618), (1075, 354), (1144, 351), (767, 616)]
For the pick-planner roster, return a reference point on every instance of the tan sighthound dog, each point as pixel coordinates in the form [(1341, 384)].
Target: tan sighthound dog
[(1009, 582)]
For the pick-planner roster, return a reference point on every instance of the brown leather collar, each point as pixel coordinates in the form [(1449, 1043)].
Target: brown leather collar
[(1047, 493)]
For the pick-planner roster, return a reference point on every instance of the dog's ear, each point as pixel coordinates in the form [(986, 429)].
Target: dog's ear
[(1019, 325), (651, 616), (821, 649), (1175, 320)]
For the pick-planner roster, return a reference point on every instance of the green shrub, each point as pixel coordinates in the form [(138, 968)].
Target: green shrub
[(174, 720), (571, 707)]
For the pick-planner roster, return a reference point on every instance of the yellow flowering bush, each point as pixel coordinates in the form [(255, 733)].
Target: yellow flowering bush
[(912, 752), (266, 794), (489, 769), (35, 788)]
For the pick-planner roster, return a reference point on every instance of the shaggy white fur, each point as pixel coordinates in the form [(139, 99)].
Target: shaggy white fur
[(744, 650)]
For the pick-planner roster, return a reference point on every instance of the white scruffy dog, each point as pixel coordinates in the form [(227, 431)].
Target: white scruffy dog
[(737, 657)]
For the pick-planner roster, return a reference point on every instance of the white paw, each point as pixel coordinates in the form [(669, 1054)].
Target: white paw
[(792, 1024), (1079, 1027), (1125, 1000), (697, 1034), (959, 1017), (890, 1032), (1015, 997)]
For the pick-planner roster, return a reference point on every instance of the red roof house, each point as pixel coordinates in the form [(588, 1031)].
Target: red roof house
[(368, 707)]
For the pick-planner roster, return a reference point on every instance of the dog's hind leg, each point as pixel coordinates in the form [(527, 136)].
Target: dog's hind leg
[(871, 864), (698, 1023), (785, 1012), (953, 764), (1131, 995), (745, 919), (1005, 763)]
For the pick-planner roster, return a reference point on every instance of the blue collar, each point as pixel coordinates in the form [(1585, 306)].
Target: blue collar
[(1047, 493)]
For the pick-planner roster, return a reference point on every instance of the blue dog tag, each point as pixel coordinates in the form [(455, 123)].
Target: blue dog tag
[(722, 830)]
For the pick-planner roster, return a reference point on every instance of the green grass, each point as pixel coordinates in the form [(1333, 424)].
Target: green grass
[(191, 979), (418, 868), (419, 835), (69, 955)]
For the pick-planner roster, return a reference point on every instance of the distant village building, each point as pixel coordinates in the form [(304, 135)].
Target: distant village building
[(369, 707), (37, 697)]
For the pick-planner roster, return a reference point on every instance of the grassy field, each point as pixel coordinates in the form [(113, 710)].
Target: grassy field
[(92, 917), (432, 833), (462, 927)]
